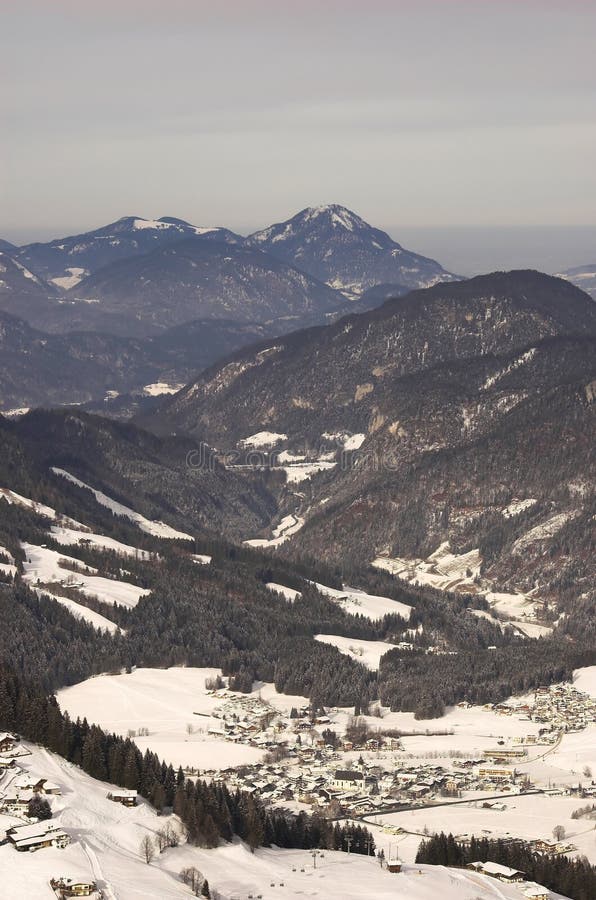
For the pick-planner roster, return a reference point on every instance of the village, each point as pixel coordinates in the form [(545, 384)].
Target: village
[(364, 770), (338, 765)]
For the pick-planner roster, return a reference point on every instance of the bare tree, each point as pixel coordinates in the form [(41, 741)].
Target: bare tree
[(559, 832), (190, 728), (172, 835), (194, 879), (161, 839), (147, 848)]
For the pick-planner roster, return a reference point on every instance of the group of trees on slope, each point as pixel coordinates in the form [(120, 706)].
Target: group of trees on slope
[(575, 878)]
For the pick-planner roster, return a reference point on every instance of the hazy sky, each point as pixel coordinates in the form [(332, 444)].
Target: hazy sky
[(240, 113)]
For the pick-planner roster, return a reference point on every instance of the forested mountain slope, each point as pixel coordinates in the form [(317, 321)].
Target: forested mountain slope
[(466, 397)]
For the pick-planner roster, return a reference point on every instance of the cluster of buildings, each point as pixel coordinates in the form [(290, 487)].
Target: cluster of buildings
[(507, 875), (335, 788), (559, 707), (18, 787)]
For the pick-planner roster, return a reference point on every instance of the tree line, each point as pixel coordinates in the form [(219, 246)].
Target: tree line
[(573, 877)]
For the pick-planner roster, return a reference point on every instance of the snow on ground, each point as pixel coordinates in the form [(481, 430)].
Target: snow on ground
[(544, 531), (106, 839), (164, 701), (516, 507), (262, 439), (75, 275), (158, 529), (276, 874), (39, 508), (447, 571), (465, 731), (201, 559), (348, 441), (105, 842), (512, 605), (354, 441), (79, 611), (585, 680), (368, 653), (298, 472), (161, 387), (529, 817), (443, 569), (524, 629), (288, 526), (7, 568), (286, 592), (43, 565), (69, 536), (15, 413), (359, 602), (576, 752), (105, 846)]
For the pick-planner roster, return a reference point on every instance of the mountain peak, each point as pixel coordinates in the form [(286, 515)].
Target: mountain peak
[(336, 215), (335, 245)]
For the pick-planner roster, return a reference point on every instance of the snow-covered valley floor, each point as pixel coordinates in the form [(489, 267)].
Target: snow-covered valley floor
[(106, 841)]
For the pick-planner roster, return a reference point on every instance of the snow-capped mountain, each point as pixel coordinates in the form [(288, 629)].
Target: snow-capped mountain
[(66, 261), (338, 247)]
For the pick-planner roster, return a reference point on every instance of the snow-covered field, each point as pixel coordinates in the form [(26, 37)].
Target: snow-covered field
[(158, 388), (530, 817), (298, 472), (158, 529), (447, 571), (43, 565), (262, 439), (443, 570), (286, 592), (368, 653), (106, 841), (165, 701), (69, 536), (359, 602), (288, 526), (80, 611)]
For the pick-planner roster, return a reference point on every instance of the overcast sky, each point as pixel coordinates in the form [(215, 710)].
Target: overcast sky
[(241, 113)]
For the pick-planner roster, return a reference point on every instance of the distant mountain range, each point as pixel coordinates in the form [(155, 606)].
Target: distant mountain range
[(136, 277)]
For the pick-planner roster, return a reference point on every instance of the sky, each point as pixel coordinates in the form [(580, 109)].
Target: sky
[(417, 114)]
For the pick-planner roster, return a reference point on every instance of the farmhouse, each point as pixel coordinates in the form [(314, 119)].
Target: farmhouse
[(34, 837), (73, 887), (126, 798), (535, 891), (495, 870), (7, 741)]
